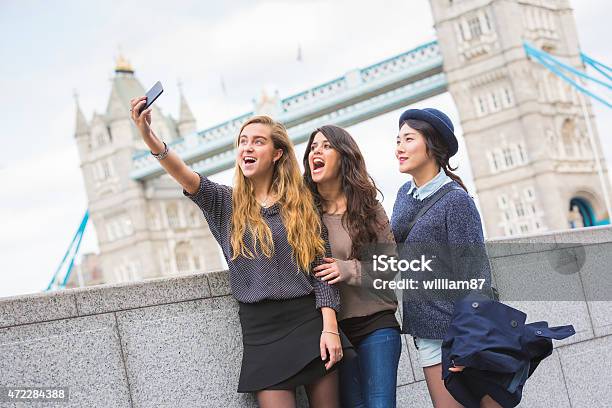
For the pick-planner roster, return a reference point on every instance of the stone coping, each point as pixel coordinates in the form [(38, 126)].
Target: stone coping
[(48, 306)]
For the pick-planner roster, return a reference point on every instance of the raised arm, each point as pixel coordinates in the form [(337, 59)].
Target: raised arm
[(215, 200), (172, 163)]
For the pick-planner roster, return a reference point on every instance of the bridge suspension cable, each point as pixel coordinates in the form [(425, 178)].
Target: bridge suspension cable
[(565, 72), (58, 281)]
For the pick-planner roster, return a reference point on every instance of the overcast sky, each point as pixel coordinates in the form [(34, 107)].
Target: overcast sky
[(49, 49)]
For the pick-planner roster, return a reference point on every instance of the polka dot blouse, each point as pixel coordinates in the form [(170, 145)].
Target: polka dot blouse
[(252, 280)]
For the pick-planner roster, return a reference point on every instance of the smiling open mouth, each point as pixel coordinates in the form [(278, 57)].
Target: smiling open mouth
[(318, 164), (249, 160)]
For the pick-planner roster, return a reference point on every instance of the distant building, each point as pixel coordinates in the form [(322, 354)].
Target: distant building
[(143, 231), (524, 128), (533, 162)]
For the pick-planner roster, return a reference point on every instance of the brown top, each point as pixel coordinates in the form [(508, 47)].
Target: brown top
[(357, 294)]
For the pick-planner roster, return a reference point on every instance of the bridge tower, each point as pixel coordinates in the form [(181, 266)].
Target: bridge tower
[(531, 156), (143, 230)]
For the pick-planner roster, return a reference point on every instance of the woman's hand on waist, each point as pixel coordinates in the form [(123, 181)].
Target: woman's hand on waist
[(330, 271)]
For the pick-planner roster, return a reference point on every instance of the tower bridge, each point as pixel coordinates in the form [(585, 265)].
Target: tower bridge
[(534, 161)]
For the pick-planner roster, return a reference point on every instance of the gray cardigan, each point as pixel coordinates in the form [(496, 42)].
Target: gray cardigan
[(451, 225)]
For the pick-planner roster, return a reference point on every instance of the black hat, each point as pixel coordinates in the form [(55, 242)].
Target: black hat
[(439, 121)]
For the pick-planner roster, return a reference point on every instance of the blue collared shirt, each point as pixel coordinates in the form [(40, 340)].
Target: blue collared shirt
[(427, 189)]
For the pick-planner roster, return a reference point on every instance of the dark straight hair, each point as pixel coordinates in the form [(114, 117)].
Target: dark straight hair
[(436, 147), (360, 189)]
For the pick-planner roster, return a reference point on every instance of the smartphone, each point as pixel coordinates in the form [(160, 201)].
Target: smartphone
[(152, 94)]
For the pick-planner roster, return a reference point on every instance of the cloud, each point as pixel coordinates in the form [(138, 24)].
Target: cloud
[(42, 203)]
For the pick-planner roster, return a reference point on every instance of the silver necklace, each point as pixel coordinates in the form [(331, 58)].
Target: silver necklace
[(265, 202)]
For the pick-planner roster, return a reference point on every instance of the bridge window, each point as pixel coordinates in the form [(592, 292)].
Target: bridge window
[(103, 170), (173, 216), (507, 157), (493, 161), (183, 254), (509, 101), (567, 136), (101, 139), (520, 210), (481, 107), (106, 170), (521, 153), (487, 21), (475, 27), (461, 31), (495, 102), (182, 262), (519, 214), (509, 161), (119, 226)]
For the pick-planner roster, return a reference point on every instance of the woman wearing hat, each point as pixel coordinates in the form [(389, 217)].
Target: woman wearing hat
[(425, 143)]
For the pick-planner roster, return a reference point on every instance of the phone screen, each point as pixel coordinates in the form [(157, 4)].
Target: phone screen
[(152, 94)]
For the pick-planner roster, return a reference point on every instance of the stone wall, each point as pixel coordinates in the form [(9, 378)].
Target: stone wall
[(175, 342)]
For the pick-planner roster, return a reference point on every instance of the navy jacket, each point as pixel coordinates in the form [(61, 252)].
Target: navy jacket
[(497, 348)]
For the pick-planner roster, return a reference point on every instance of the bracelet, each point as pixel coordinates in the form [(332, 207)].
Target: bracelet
[(163, 154), (331, 332)]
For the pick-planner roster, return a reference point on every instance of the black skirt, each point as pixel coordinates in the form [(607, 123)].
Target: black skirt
[(281, 344)]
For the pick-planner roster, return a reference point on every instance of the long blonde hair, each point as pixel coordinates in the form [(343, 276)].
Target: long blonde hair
[(297, 208)]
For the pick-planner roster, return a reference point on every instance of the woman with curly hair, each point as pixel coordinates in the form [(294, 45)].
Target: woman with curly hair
[(336, 173)]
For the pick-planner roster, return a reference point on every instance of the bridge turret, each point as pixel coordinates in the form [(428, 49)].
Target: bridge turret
[(523, 126), (186, 123)]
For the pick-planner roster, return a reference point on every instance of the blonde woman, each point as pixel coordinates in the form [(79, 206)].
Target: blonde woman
[(271, 236)]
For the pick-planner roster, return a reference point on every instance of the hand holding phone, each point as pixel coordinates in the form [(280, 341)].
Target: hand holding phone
[(151, 95), (141, 104)]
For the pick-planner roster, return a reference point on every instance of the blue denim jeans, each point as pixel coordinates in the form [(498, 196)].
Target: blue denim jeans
[(370, 379)]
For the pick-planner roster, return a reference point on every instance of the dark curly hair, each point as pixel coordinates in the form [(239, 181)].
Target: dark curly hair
[(357, 185)]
